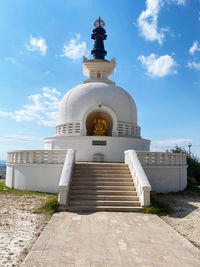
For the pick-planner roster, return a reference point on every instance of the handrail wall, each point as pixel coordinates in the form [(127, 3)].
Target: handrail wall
[(65, 177), (139, 177)]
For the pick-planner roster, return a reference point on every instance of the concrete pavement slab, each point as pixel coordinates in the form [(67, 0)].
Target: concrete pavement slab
[(110, 239)]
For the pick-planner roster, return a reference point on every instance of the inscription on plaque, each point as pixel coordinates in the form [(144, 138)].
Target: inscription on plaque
[(99, 143)]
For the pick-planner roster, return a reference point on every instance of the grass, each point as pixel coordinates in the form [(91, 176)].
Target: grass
[(157, 207), (48, 208), (8, 190)]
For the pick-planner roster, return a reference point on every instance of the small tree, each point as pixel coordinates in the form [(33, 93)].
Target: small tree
[(192, 161)]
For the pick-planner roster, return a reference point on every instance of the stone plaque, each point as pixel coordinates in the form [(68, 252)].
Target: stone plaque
[(99, 143)]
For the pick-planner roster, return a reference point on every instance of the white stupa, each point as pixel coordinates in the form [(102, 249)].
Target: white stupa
[(98, 117), (97, 122)]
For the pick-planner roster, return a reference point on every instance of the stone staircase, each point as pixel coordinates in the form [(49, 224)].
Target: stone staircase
[(102, 186)]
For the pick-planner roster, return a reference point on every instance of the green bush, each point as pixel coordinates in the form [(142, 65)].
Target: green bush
[(192, 161), (192, 185), (49, 207), (157, 207)]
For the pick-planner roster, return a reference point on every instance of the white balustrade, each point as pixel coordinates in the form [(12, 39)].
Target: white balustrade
[(68, 128), (162, 158), (139, 177), (127, 129), (65, 178), (74, 128), (36, 156)]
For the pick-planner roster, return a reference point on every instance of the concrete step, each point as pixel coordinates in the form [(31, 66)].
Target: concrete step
[(126, 170), (100, 172), (101, 165), (103, 187), (117, 175), (107, 167), (101, 168), (103, 183), (93, 167), (104, 208), (102, 192), (104, 202), (96, 179), (103, 197)]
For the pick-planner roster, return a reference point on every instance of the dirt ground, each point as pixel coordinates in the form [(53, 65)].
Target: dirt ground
[(185, 214), (19, 227)]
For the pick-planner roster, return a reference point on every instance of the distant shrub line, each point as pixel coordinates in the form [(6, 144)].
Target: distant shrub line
[(193, 163)]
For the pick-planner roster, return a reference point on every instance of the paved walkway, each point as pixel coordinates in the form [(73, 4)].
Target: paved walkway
[(110, 239)]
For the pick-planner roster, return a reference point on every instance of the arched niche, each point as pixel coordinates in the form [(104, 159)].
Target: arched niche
[(107, 112), (99, 124)]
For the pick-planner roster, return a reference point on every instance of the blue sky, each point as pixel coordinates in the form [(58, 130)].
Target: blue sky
[(157, 48)]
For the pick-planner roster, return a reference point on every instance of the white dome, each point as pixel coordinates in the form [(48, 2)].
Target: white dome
[(81, 98)]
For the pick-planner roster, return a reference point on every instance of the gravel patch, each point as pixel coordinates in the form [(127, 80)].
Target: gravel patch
[(19, 226), (185, 215)]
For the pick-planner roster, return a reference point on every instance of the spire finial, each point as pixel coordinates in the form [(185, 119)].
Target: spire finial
[(99, 23), (99, 35)]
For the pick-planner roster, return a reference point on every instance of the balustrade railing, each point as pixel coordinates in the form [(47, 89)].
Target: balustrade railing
[(68, 128), (161, 159), (139, 177), (127, 129), (37, 156)]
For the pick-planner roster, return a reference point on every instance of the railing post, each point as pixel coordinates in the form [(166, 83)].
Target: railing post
[(49, 157), (59, 157), (40, 157), (149, 159)]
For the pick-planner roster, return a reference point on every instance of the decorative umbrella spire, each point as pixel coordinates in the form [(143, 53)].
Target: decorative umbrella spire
[(99, 35)]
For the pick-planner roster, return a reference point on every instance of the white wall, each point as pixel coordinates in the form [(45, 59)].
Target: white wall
[(113, 151), (165, 179), (34, 177), (44, 177)]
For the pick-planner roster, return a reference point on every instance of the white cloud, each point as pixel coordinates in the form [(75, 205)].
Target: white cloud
[(76, 48), (42, 110), (158, 66), (193, 65), (195, 47), (148, 20), (181, 2), (162, 145), (11, 59), (38, 45)]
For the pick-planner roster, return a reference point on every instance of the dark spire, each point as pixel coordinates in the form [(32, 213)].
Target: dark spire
[(98, 36)]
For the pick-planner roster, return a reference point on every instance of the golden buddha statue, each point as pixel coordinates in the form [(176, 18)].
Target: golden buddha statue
[(99, 126)]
